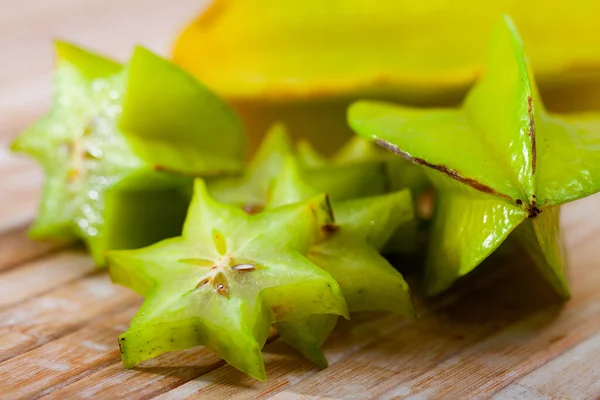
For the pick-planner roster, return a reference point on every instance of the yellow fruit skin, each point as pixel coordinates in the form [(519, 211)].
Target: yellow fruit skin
[(302, 62)]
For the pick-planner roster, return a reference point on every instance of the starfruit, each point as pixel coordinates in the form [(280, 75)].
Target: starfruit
[(226, 280), (400, 173), (302, 62), (252, 190), (349, 251), (109, 137), (501, 164)]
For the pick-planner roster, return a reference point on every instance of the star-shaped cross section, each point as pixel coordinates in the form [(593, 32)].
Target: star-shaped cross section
[(501, 163), (109, 134), (226, 280), (342, 180)]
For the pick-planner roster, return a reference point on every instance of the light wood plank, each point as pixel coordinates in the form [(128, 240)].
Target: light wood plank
[(486, 368), (574, 375), (20, 182), (152, 378), (483, 369), (40, 276), (16, 248), (65, 360), (56, 313)]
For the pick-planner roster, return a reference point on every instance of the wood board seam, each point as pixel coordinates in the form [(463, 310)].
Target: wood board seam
[(70, 329)]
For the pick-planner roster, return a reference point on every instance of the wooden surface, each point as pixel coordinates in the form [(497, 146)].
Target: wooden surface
[(500, 335)]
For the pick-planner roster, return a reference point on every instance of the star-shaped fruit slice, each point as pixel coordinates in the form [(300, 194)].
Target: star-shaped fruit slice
[(501, 164), (226, 280), (251, 191), (400, 174), (110, 133), (349, 251)]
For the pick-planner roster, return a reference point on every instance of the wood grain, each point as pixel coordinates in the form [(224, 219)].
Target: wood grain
[(500, 334), (17, 248)]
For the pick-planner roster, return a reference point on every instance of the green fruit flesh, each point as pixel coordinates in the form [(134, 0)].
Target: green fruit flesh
[(497, 162), (348, 250), (252, 190), (97, 176), (226, 280)]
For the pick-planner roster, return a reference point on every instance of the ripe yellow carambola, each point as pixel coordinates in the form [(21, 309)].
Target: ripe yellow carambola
[(302, 62)]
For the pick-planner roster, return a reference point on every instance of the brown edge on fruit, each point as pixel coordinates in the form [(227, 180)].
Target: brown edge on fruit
[(209, 173), (329, 209), (532, 134), (329, 229), (452, 173)]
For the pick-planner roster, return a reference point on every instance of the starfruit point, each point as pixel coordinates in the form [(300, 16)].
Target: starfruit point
[(501, 164)]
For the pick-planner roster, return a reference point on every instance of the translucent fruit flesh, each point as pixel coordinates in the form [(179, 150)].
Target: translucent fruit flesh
[(226, 280), (96, 177), (498, 163), (349, 251), (251, 191)]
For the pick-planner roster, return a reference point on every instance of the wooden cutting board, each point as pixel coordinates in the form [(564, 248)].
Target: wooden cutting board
[(499, 334)]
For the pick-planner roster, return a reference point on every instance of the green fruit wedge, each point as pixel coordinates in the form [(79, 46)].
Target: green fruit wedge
[(105, 182), (226, 280), (400, 174), (251, 191), (501, 164), (349, 251)]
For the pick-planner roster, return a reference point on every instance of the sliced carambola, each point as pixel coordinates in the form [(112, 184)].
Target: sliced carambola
[(400, 174), (104, 182), (501, 164), (172, 121), (349, 251), (252, 190), (226, 280), (303, 62)]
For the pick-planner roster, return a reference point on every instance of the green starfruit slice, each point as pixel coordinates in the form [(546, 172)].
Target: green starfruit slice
[(99, 172), (501, 164), (226, 280), (349, 251), (251, 191), (400, 174)]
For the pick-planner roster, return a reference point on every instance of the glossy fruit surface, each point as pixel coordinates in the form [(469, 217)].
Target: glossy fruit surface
[(349, 251), (172, 121), (226, 280), (313, 49), (401, 174), (304, 62), (500, 162), (252, 190), (97, 174)]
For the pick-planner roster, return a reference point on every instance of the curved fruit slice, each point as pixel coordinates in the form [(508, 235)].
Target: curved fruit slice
[(292, 51), (225, 281), (95, 177), (400, 174), (303, 62), (174, 122), (251, 191), (498, 161), (348, 250)]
